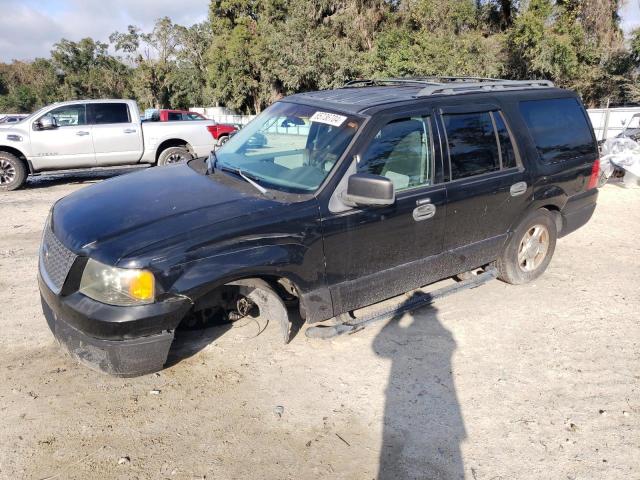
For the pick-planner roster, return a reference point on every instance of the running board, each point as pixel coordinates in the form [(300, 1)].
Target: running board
[(417, 300)]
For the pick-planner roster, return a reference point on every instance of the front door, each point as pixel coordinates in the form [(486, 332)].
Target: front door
[(70, 145), (375, 253)]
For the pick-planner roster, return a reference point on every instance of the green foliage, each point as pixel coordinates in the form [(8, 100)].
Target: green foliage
[(252, 52)]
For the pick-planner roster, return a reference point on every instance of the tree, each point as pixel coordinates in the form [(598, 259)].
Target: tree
[(153, 56), (88, 71)]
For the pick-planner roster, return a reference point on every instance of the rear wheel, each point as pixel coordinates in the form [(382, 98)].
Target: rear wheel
[(13, 172), (529, 250), (174, 155), (222, 140)]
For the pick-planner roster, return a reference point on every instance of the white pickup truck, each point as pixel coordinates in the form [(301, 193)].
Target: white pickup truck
[(95, 133)]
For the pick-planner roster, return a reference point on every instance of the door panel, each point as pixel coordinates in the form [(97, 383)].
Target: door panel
[(117, 140), (489, 190), (375, 253), (68, 146)]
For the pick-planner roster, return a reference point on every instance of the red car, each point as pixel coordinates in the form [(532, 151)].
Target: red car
[(220, 131)]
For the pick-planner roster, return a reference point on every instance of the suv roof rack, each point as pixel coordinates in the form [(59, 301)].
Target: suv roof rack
[(455, 85)]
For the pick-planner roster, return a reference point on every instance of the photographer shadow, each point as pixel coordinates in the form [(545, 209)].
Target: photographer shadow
[(423, 425)]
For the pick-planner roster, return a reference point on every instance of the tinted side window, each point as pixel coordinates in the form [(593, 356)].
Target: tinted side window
[(104, 113), (473, 149), (69, 115), (174, 116), (400, 151), (559, 128), (506, 147)]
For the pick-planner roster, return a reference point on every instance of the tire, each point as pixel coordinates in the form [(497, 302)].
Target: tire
[(174, 155), (222, 140), (524, 258), (13, 172)]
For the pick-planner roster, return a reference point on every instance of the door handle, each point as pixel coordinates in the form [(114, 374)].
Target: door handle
[(130, 130), (518, 189), (424, 210), (82, 133)]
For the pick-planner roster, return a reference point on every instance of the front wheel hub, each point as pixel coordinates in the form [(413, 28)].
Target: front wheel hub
[(7, 172)]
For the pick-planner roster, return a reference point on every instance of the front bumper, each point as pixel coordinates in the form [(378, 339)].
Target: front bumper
[(121, 341)]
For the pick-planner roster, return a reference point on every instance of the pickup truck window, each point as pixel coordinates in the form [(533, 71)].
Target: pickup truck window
[(106, 113), (290, 147), (473, 149), (68, 115), (401, 151)]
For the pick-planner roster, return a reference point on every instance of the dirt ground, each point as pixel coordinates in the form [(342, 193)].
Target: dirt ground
[(540, 381)]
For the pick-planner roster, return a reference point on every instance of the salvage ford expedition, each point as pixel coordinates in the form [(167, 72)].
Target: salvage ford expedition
[(327, 202)]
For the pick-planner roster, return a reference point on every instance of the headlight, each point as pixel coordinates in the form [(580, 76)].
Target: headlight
[(117, 286)]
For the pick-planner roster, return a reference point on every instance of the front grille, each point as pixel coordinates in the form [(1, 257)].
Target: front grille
[(56, 259)]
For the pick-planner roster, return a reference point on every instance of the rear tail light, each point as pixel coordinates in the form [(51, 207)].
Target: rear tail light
[(212, 130), (595, 174)]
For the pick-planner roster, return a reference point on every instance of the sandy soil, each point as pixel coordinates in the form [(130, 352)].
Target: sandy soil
[(540, 381)]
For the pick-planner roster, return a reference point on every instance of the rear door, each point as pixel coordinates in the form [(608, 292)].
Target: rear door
[(375, 253), (488, 188), (69, 145), (116, 137)]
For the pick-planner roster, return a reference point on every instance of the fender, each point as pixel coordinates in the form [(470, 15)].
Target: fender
[(550, 197), (18, 153), (301, 265)]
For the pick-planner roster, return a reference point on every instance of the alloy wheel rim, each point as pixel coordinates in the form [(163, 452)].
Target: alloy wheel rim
[(7, 172), (176, 158), (533, 248)]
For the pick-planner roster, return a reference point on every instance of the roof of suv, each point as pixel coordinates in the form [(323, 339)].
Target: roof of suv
[(360, 95)]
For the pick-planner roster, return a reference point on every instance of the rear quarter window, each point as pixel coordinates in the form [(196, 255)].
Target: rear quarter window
[(559, 128)]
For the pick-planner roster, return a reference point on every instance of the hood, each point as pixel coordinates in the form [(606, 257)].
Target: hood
[(136, 211)]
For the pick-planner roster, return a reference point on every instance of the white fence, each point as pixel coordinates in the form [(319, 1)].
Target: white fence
[(609, 122)]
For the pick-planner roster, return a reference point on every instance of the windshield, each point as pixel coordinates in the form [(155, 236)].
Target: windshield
[(290, 147)]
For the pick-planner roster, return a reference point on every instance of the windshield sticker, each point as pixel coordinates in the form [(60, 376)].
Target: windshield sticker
[(328, 118)]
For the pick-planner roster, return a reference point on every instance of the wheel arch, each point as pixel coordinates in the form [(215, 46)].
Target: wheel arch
[(19, 154), (271, 292), (172, 142)]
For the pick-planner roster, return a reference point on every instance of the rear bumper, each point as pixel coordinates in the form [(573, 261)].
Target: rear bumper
[(578, 211), (121, 341)]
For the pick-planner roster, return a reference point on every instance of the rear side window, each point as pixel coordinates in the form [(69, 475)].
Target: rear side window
[(559, 128), (104, 113), (174, 116), (473, 149)]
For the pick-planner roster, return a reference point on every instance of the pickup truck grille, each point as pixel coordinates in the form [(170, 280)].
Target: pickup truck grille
[(56, 259)]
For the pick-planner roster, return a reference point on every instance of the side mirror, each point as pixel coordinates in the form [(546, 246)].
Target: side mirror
[(46, 123), (367, 190)]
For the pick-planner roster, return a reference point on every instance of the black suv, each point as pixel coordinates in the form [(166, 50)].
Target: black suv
[(327, 202)]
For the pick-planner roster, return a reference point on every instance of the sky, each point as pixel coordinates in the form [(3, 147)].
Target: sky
[(29, 28)]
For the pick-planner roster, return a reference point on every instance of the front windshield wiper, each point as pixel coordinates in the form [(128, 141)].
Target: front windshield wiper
[(242, 175)]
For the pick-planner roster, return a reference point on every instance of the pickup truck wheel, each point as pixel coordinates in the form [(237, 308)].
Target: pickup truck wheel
[(174, 155), (13, 172), (529, 250)]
